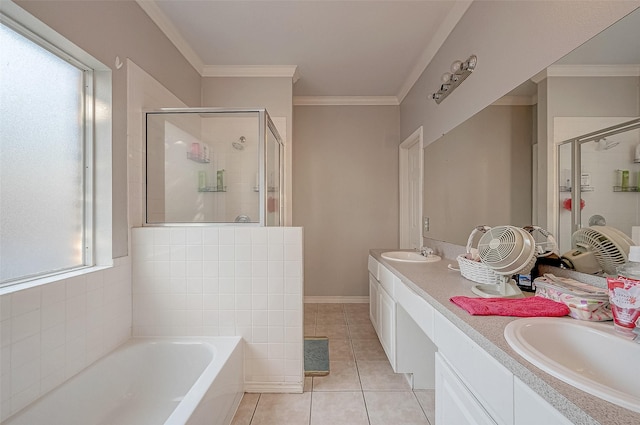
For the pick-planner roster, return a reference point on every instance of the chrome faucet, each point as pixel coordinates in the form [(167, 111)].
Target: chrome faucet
[(426, 251)]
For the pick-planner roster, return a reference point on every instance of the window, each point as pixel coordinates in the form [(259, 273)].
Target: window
[(46, 157)]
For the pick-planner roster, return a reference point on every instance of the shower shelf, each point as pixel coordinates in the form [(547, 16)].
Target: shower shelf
[(212, 189), (270, 189), (582, 189), (196, 158), (626, 189)]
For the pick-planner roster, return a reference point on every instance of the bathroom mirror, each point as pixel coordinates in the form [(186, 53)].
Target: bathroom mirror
[(486, 180)]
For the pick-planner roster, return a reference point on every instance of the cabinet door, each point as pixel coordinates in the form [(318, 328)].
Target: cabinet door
[(531, 409), (387, 324), (373, 301), (490, 382), (455, 405)]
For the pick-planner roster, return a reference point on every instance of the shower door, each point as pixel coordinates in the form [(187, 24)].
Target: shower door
[(207, 165)]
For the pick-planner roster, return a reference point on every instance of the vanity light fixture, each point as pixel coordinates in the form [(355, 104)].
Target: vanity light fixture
[(451, 80)]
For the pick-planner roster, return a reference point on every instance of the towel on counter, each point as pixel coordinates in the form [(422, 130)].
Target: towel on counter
[(518, 307)]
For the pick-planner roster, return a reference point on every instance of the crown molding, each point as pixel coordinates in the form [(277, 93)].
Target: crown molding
[(172, 33), (288, 71), (588, 71), (441, 34), (345, 101), (516, 101)]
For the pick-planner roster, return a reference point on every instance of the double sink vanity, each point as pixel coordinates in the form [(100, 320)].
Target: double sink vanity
[(478, 375)]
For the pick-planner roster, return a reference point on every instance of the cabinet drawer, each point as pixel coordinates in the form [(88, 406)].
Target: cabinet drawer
[(531, 409), (387, 280), (373, 267), (490, 382), (455, 405), (419, 310)]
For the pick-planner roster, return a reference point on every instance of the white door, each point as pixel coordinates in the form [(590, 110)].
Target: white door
[(411, 175)]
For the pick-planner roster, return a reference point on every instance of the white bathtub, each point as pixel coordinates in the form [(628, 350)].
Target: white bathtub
[(149, 382)]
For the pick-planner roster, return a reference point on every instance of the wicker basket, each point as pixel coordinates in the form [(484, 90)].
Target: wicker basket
[(476, 271)]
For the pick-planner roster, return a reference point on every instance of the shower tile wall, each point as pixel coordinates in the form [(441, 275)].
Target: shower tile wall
[(51, 332), (225, 281)]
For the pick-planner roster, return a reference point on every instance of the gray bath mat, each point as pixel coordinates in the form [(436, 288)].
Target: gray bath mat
[(316, 356)]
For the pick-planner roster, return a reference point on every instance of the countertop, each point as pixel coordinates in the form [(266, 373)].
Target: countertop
[(437, 284)]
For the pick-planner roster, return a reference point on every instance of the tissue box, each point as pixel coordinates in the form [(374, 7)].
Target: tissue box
[(585, 302)]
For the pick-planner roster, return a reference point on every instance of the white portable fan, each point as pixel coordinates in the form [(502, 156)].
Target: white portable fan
[(507, 250), (609, 246)]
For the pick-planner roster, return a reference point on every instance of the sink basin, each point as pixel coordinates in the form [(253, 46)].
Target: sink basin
[(587, 355), (409, 257)]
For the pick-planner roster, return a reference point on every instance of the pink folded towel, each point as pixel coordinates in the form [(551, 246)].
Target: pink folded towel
[(519, 307)]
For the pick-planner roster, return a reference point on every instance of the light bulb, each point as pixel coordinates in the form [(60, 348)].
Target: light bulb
[(472, 62), (455, 66), (446, 77)]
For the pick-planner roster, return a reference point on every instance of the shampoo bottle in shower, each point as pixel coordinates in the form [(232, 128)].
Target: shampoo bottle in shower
[(220, 180), (202, 180)]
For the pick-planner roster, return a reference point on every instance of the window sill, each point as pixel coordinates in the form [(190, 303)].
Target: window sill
[(39, 281)]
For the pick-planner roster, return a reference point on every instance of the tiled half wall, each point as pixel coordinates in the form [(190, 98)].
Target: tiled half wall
[(211, 281)]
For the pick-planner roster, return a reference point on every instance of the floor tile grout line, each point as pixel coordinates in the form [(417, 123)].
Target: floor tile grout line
[(355, 359), (255, 408), (421, 407)]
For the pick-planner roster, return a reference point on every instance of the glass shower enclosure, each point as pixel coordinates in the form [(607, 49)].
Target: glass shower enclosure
[(213, 165)]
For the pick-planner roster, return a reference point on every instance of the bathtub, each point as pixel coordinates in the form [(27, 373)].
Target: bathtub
[(149, 381)]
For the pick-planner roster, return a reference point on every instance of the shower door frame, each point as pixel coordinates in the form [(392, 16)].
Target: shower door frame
[(264, 124)]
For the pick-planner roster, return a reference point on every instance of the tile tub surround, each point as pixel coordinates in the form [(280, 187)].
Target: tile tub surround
[(51, 332), (435, 283), (361, 390), (225, 281)]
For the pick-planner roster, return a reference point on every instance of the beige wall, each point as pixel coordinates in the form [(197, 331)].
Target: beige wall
[(106, 29), (483, 174), (275, 94), (345, 192)]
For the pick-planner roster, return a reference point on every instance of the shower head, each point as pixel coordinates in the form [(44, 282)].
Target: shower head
[(239, 144), (604, 144)]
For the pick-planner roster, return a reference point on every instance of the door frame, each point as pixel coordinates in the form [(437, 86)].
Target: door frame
[(409, 142)]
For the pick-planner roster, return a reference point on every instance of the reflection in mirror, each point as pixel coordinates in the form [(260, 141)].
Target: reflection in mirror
[(490, 169), (606, 162), (485, 165)]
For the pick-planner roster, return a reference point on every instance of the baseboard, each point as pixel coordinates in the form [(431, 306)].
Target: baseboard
[(273, 387), (336, 300)]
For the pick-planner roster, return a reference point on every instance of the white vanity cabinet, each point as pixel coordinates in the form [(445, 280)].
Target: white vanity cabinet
[(382, 307), (455, 404), (472, 387), (404, 324), (531, 409), (373, 301), (387, 325), (484, 378)]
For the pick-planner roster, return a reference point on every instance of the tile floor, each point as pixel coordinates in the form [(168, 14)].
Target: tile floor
[(361, 388)]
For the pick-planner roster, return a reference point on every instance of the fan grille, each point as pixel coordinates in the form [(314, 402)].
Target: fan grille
[(507, 250), (501, 244), (609, 248)]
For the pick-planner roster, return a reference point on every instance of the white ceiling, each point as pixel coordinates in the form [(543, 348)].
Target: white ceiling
[(337, 48)]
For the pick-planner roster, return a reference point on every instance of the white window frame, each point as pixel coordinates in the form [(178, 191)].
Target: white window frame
[(97, 234)]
